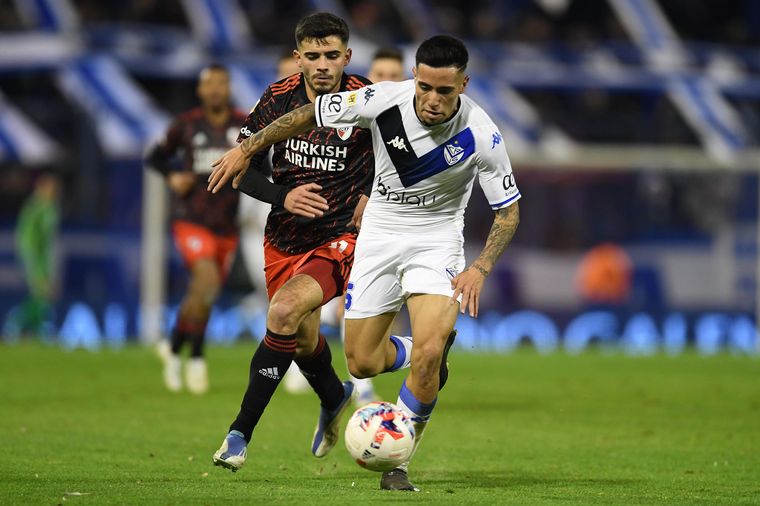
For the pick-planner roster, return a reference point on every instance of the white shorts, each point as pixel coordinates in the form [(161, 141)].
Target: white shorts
[(388, 268)]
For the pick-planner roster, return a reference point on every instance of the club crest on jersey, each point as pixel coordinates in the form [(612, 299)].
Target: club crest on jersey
[(453, 153), (200, 139), (344, 132)]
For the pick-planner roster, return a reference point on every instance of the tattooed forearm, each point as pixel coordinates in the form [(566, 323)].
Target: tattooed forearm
[(503, 229), (293, 123)]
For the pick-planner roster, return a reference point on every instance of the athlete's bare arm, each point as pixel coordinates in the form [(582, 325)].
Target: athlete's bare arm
[(235, 162), (470, 282)]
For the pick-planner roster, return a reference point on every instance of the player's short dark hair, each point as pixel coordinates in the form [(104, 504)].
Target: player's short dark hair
[(442, 51), (391, 53), (321, 25), (216, 67)]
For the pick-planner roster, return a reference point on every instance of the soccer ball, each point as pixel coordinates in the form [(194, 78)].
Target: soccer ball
[(379, 436)]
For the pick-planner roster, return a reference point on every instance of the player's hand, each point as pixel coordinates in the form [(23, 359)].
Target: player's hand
[(181, 182), (469, 284), (356, 220), (232, 164), (305, 201)]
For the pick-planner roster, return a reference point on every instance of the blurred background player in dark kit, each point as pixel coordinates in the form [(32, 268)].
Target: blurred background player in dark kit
[(204, 226)]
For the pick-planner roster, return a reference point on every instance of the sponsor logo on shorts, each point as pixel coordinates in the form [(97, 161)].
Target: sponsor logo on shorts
[(245, 131), (451, 272)]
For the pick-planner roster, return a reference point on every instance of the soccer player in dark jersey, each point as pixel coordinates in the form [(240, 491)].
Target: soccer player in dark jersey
[(318, 178), (204, 225)]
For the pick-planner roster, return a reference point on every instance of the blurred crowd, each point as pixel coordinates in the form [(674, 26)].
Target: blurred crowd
[(735, 22), (100, 192)]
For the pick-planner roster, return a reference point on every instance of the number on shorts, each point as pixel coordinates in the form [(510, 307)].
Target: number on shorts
[(340, 245), (348, 296)]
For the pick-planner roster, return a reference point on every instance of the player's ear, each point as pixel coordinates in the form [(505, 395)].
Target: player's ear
[(297, 56), (414, 72), (464, 82), (348, 55)]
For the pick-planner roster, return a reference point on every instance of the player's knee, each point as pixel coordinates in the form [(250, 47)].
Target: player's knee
[(206, 282), (360, 366), (427, 359), (282, 316)]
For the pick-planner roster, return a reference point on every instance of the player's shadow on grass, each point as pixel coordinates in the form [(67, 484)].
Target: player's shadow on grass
[(510, 480)]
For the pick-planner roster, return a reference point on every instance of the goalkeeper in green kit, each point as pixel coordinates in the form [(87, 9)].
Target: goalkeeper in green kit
[(35, 239)]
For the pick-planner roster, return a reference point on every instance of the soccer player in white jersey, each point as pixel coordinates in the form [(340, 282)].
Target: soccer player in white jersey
[(430, 142)]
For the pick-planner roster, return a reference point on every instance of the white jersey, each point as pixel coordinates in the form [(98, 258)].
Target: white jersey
[(423, 174)]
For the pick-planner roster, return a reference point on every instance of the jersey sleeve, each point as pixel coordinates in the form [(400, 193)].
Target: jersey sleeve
[(350, 108), (262, 114), (495, 171), (160, 155)]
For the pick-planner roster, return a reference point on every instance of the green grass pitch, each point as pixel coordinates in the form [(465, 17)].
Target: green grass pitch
[(99, 428)]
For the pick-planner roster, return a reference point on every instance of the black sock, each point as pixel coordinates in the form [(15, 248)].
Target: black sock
[(318, 370), (268, 366), (191, 330), (178, 339), (196, 344)]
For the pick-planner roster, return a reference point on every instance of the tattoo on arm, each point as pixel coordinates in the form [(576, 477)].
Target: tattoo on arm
[(291, 124), (503, 229)]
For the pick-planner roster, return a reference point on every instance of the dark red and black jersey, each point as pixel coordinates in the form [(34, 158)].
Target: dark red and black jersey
[(192, 144), (341, 161)]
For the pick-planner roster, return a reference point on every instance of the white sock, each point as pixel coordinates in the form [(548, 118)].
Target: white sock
[(403, 352)]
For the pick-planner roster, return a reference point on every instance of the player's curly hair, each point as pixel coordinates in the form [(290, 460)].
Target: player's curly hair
[(321, 25), (443, 51)]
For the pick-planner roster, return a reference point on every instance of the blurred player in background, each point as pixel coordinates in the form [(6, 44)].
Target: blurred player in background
[(35, 243), (431, 141), (387, 65), (204, 226), (309, 236)]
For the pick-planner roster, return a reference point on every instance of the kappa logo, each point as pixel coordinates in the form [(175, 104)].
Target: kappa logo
[(270, 372), (495, 139), (368, 94), (453, 153), (398, 143), (345, 133)]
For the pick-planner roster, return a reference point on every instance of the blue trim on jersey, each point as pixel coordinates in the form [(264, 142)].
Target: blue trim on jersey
[(411, 168), (452, 152), (8, 145), (510, 199)]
